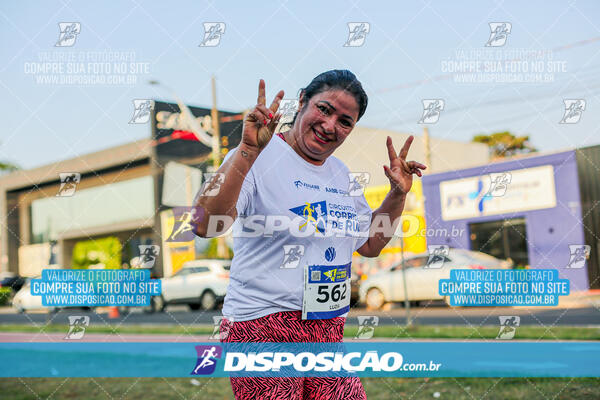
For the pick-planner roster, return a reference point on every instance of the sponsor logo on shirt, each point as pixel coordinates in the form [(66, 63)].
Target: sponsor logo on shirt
[(314, 214), (299, 184), (305, 185), (332, 216), (330, 254), (335, 190)]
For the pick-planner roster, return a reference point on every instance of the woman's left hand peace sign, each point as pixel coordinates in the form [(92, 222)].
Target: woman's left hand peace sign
[(400, 172)]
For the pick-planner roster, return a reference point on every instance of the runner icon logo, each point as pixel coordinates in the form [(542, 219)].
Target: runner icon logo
[(212, 183), (508, 326), (207, 359), (216, 333), (357, 183), (212, 34), (579, 254), (182, 223), (148, 255), (499, 183), (437, 256), (68, 183), (366, 326), (141, 111), (432, 109), (77, 325), (287, 108), (499, 32), (357, 33), (573, 110), (68, 33), (292, 253)]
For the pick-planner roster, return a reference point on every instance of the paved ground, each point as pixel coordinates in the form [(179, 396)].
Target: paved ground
[(432, 315)]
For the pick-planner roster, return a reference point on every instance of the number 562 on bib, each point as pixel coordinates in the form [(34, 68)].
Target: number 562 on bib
[(326, 291)]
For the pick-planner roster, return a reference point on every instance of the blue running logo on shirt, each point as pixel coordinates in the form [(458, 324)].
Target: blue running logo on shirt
[(315, 213)]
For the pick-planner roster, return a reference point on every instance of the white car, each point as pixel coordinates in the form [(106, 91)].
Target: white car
[(24, 301), (199, 284), (387, 285)]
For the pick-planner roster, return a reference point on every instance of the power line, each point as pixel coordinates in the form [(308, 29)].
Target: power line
[(442, 77)]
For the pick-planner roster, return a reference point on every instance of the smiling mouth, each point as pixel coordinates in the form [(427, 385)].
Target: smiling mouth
[(320, 137)]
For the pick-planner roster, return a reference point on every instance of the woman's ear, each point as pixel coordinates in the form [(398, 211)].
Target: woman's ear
[(301, 101)]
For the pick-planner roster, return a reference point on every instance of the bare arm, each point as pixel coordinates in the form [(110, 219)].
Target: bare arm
[(258, 129), (400, 173)]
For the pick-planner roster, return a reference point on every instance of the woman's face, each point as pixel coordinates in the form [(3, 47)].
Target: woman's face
[(323, 124)]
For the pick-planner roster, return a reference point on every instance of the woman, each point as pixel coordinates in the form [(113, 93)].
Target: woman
[(290, 282)]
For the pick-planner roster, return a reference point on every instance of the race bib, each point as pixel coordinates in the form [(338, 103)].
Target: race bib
[(326, 291)]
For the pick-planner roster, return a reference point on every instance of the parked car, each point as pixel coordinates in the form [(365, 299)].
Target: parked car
[(11, 280), (201, 284), (387, 285), (354, 288), (25, 301)]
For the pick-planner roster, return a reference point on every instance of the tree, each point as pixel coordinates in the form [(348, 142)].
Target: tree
[(6, 166), (505, 144)]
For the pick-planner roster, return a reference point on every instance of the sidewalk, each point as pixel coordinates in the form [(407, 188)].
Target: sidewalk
[(588, 298), (18, 337)]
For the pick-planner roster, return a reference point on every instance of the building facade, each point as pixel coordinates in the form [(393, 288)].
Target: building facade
[(538, 211), (75, 212)]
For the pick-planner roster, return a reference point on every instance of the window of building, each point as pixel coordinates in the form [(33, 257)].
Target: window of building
[(502, 239), (112, 203)]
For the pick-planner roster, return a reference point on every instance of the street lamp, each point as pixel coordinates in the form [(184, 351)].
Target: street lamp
[(186, 113)]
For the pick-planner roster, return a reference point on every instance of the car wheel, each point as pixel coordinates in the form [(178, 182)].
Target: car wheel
[(157, 304), (447, 301), (375, 299), (124, 310), (208, 300)]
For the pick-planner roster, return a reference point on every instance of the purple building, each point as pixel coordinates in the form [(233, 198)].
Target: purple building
[(539, 211)]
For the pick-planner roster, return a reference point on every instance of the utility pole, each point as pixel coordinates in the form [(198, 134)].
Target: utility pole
[(216, 153), (216, 136), (405, 284), (427, 148)]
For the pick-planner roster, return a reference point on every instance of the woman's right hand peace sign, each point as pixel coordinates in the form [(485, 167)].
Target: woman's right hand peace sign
[(260, 122)]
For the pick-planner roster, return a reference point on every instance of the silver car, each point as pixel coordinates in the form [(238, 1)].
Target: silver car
[(422, 279), (201, 284)]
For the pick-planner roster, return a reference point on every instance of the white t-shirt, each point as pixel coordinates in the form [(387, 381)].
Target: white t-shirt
[(322, 225)]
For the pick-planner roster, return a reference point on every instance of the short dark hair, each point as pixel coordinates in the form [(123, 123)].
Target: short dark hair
[(341, 79)]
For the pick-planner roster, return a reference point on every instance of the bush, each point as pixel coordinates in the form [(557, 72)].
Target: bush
[(5, 295), (105, 251), (212, 250)]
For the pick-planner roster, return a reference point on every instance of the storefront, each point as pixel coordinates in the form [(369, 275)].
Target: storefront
[(111, 203), (532, 210)]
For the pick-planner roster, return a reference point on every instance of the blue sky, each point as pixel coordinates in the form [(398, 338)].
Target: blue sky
[(287, 44)]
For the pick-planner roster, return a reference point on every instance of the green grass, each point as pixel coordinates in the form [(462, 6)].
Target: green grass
[(398, 332), (376, 388)]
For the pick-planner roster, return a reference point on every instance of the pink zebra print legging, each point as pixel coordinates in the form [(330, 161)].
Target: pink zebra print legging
[(290, 327)]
